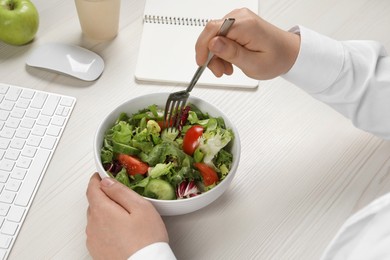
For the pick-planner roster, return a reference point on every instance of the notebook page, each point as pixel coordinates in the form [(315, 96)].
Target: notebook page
[(167, 51)]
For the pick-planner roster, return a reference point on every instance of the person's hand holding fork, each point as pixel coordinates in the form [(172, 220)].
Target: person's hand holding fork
[(260, 49)]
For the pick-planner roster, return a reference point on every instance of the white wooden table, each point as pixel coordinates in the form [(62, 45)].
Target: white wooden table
[(304, 168)]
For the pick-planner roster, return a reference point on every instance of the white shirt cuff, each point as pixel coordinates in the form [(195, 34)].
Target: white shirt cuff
[(319, 61), (365, 235), (159, 250)]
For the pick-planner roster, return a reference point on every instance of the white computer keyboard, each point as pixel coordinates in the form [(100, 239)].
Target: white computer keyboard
[(31, 124)]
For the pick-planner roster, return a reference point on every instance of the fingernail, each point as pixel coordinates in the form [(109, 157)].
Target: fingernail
[(107, 182)]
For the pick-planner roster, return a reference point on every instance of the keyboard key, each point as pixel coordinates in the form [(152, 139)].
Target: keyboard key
[(43, 120), (9, 228), (32, 178), (4, 176), (16, 214), (23, 162), (27, 123), (60, 110), (63, 111), (17, 143), (38, 100), (13, 185), (12, 154), (4, 115), (7, 165), (34, 141), (22, 103), (7, 105), (29, 151), (7, 132), (18, 173), (48, 142), (54, 130), (12, 123), (66, 101), (5, 241), (3, 253), (4, 143), (13, 94), (66, 111), (3, 88), (4, 208), (32, 113), (7, 197), (39, 131), (58, 121), (27, 93), (50, 105), (18, 113), (22, 133)]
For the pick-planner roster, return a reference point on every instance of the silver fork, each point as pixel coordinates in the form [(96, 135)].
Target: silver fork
[(177, 100)]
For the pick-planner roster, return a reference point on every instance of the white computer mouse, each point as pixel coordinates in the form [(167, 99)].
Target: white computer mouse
[(67, 59)]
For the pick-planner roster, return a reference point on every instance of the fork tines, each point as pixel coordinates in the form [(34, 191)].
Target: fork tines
[(174, 109)]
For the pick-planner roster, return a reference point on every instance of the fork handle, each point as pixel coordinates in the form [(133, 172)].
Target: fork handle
[(227, 23)]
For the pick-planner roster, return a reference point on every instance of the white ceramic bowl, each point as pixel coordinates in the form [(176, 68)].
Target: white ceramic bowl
[(171, 207)]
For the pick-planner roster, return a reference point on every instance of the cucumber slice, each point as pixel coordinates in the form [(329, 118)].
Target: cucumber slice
[(159, 189)]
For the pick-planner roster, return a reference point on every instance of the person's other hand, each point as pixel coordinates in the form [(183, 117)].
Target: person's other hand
[(258, 48), (120, 222)]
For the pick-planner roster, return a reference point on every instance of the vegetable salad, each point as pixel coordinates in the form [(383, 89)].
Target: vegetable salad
[(168, 163)]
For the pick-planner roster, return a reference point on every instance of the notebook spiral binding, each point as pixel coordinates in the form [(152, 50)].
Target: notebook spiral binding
[(175, 20)]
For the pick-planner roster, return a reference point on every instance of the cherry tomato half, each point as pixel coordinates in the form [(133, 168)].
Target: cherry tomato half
[(132, 164), (162, 126), (209, 175), (191, 139)]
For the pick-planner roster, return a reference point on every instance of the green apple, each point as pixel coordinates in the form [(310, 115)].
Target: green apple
[(19, 21)]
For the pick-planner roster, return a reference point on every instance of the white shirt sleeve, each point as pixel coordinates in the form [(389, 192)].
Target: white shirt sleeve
[(353, 77), (160, 251), (365, 235)]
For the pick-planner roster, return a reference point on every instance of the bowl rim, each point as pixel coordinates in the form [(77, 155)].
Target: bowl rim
[(228, 122)]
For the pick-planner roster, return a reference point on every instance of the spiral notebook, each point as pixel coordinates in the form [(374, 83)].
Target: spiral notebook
[(170, 31)]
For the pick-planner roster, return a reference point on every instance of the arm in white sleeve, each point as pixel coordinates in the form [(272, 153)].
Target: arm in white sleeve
[(159, 250), (353, 77)]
